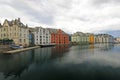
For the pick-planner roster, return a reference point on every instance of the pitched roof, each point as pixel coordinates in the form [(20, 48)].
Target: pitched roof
[(52, 30), (16, 22), (103, 35)]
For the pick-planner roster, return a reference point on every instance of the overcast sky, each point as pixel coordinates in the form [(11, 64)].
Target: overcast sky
[(93, 16)]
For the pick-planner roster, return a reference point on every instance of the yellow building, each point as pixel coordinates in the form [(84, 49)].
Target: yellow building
[(16, 31), (91, 37)]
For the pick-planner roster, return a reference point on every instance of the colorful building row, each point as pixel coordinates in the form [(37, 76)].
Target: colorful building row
[(82, 38), (23, 35), (48, 36), (88, 38)]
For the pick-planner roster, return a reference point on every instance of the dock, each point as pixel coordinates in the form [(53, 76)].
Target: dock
[(20, 50)]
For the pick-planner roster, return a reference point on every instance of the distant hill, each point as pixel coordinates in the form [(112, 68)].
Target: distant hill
[(115, 33)]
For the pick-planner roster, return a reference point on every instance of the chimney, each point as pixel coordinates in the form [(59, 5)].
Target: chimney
[(18, 19)]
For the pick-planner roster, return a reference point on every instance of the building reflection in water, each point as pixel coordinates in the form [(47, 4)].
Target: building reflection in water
[(105, 46), (59, 51), (16, 64), (42, 54)]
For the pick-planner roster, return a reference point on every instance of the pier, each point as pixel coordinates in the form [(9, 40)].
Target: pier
[(20, 50)]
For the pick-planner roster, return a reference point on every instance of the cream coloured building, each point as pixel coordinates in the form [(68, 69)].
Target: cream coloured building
[(104, 38), (15, 30), (82, 38)]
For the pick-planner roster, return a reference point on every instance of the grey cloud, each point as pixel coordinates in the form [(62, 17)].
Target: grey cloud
[(34, 14), (66, 4), (83, 15), (104, 2), (84, 19)]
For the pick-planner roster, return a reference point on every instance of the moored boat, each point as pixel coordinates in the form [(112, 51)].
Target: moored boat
[(47, 45), (15, 46)]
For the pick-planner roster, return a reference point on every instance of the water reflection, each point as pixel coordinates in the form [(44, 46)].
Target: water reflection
[(42, 54), (82, 62), (14, 64), (59, 51), (105, 46)]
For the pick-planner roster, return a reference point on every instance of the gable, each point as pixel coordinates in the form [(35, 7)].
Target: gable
[(5, 23)]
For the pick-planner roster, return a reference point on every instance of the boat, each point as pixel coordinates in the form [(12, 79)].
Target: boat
[(47, 45), (13, 46)]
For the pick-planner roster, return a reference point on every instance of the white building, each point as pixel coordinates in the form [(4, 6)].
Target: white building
[(117, 40), (104, 38), (42, 36)]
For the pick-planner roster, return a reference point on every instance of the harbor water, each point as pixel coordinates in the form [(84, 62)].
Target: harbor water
[(80, 62)]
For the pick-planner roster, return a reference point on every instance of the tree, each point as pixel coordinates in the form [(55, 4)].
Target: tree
[(7, 41)]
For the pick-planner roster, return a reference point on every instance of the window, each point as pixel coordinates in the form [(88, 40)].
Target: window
[(20, 40), (4, 35), (10, 34), (37, 32), (24, 35), (20, 34), (40, 42), (43, 31), (43, 42), (40, 39), (24, 40), (40, 36)]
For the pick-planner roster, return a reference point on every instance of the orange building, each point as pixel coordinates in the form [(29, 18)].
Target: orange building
[(59, 37), (91, 39)]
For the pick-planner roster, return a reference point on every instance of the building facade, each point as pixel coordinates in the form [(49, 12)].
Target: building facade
[(16, 31), (59, 37), (117, 40), (31, 36), (82, 38), (104, 38), (42, 36), (91, 39)]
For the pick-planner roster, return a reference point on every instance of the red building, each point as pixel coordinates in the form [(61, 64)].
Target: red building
[(59, 37)]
